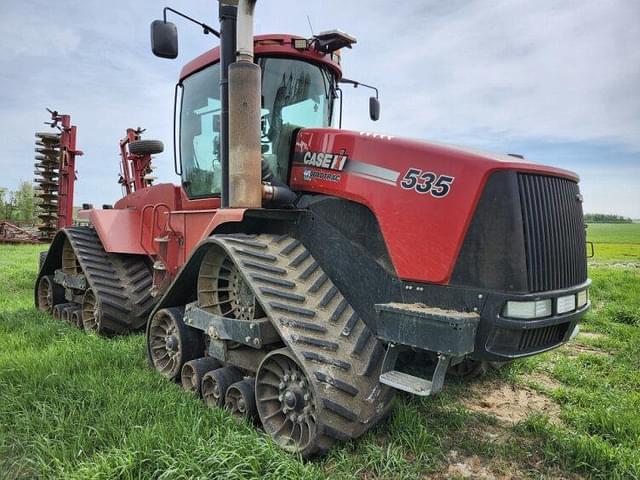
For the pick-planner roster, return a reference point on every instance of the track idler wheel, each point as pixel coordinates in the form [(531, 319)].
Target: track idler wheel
[(70, 263), (194, 370), (222, 289), (91, 313), (171, 343), (50, 294), (215, 384), (286, 403), (240, 399)]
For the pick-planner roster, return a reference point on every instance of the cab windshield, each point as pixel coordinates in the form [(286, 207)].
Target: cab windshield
[(295, 94)]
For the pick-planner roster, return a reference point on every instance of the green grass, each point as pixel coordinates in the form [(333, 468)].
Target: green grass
[(615, 242), (78, 406), (625, 233)]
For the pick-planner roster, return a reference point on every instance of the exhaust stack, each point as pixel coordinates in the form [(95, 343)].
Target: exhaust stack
[(245, 155)]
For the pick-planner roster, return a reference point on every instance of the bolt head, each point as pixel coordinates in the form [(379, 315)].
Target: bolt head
[(306, 397), (286, 377), (293, 417), (294, 377), (281, 386), (302, 384)]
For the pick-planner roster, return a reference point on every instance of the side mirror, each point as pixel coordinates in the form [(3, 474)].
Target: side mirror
[(374, 108), (164, 39)]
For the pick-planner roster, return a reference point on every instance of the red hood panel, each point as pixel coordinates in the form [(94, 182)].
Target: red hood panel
[(423, 194)]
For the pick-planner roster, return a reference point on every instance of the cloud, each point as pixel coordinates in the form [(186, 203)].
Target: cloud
[(545, 69), (556, 81), (29, 34)]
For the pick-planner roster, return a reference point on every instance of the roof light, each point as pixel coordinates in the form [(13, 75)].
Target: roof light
[(300, 43)]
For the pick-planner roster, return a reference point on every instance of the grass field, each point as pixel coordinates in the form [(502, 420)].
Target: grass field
[(615, 242), (78, 406)]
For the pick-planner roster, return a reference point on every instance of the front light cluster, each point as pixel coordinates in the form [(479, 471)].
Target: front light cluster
[(544, 308)]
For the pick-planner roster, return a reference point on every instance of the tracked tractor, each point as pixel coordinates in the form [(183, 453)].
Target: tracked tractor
[(301, 274)]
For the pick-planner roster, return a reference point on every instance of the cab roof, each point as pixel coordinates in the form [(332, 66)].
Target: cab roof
[(277, 45)]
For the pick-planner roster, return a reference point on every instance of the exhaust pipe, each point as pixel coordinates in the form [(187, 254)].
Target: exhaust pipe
[(245, 98)]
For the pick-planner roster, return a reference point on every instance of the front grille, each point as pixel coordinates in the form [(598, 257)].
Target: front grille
[(554, 232), (540, 338)]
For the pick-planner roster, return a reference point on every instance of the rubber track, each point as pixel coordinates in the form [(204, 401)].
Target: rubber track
[(330, 340), (120, 282)]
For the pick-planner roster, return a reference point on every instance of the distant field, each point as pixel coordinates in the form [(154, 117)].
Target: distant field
[(79, 406), (615, 242), (614, 232)]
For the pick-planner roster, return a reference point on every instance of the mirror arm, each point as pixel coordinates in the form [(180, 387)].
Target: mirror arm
[(358, 84), (206, 28)]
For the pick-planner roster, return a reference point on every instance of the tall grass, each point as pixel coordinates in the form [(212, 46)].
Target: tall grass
[(78, 406)]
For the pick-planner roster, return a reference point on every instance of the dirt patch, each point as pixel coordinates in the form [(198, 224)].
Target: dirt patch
[(543, 380), (576, 348), (471, 467), (477, 467), (489, 433), (509, 403)]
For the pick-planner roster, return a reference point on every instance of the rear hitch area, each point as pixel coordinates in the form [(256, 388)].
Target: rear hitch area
[(448, 333)]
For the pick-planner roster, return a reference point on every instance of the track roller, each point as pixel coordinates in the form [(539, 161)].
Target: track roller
[(194, 370), (240, 399), (49, 294), (58, 310), (171, 343), (215, 384), (76, 318), (68, 311)]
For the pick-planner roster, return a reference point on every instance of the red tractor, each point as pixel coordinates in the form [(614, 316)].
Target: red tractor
[(298, 272)]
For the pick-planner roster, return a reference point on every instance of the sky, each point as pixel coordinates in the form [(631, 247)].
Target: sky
[(555, 80)]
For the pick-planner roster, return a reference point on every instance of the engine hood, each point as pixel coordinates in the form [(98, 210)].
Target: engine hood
[(423, 194)]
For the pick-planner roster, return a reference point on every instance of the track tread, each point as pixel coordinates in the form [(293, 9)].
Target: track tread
[(121, 282), (329, 338)]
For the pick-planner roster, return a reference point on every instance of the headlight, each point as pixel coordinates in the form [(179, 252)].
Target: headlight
[(583, 298), (535, 309), (566, 303)]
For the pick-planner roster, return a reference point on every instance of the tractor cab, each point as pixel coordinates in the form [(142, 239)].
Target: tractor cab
[(297, 92)]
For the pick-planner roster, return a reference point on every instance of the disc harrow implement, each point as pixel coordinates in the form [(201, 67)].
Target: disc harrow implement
[(47, 170), (54, 175)]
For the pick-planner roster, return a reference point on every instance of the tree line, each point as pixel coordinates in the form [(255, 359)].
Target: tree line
[(605, 218), (18, 206)]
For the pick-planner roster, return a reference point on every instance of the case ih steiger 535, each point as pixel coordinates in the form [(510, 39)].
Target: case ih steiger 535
[(298, 271)]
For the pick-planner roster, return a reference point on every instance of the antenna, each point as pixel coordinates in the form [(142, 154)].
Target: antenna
[(310, 26)]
